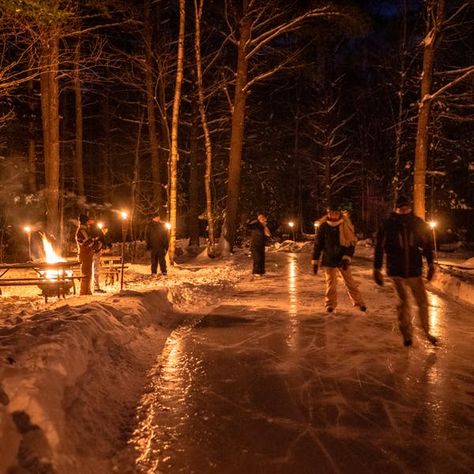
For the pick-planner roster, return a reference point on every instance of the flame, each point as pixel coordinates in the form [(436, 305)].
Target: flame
[(50, 254)]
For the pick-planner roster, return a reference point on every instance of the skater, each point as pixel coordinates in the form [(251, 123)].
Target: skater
[(157, 243), (99, 245), (259, 232), (405, 238), (85, 248), (335, 241)]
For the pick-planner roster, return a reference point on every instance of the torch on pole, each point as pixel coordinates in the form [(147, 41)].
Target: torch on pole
[(124, 217), (27, 229), (292, 227), (433, 225)]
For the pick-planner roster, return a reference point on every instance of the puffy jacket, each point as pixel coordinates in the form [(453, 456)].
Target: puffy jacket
[(157, 236), (404, 238), (257, 234), (328, 242)]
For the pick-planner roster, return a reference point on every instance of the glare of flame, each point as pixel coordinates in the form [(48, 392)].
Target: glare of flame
[(124, 215), (168, 225), (100, 225), (291, 224), (27, 229), (432, 224), (50, 254)]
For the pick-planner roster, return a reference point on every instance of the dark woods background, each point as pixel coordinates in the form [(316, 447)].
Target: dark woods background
[(336, 119)]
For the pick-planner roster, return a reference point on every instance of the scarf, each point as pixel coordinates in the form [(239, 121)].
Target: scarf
[(347, 235)]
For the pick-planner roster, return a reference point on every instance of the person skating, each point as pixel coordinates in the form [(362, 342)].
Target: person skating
[(405, 238), (85, 248), (335, 244), (259, 232), (157, 242)]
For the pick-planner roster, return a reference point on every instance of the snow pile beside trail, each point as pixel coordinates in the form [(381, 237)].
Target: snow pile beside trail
[(292, 247), (69, 379), (72, 373)]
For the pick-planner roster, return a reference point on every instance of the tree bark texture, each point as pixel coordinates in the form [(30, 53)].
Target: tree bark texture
[(237, 132), (151, 111), (193, 221), (49, 63), (78, 155), (31, 139), (174, 156), (202, 112), (436, 12)]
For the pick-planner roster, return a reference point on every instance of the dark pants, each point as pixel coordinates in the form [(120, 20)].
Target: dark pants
[(258, 257), (158, 256)]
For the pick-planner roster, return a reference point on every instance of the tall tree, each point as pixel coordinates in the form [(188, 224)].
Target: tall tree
[(174, 151), (78, 155)]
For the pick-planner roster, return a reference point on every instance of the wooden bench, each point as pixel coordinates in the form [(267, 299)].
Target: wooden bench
[(111, 268)]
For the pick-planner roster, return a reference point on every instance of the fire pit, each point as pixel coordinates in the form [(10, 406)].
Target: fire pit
[(57, 281)]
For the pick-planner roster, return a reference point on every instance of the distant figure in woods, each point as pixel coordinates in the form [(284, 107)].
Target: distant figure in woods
[(405, 238), (259, 232), (85, 248), (335, 244), (157, 242)]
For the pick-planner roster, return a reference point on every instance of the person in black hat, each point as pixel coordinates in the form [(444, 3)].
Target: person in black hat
[(405, 238), (335, 243), (85, 249), (157, 242)]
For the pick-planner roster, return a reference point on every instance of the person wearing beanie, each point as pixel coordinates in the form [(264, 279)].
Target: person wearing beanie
[(85, 250), (404, 239), (335, 244), (157, 242)]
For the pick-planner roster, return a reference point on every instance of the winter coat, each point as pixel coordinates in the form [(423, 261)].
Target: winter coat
[(157, 237), (258, 235), (404, 238), (84, 239), (328, 243)]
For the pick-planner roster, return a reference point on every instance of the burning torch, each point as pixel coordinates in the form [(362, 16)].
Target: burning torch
[(124, 217)]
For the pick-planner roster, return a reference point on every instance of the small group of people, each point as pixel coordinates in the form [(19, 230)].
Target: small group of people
[(91, 241), (403, 239)]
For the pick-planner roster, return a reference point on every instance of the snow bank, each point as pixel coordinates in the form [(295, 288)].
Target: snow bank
[(72, 373)]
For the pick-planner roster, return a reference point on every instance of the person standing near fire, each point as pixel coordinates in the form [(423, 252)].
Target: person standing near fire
[(157, 241), (85, 248), (98, 237)]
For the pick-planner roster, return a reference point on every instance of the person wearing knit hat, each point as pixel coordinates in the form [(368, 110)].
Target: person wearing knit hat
[(405, 238), (334, 243)]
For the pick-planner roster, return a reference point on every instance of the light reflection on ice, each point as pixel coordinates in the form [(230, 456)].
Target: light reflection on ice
[(293, 300), (437, 307)]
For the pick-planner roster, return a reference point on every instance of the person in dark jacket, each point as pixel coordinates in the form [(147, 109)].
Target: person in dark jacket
[(405, 238), (157, 242), (335, 243), (85, 248), (259, 232)]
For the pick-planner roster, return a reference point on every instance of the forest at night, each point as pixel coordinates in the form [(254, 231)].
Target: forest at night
[(211, 111)]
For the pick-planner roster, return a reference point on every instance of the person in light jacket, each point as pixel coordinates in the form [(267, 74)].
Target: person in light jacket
[(85, 249)]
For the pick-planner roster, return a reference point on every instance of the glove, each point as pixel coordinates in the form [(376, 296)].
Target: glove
[(431, 272), (346, 261), (315, 267), (378, 277)]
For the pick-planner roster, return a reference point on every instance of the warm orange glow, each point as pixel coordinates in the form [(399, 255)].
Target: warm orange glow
[(124, 215), (291, 224), (432, 224), (50, 255), (100, 225), (27, 229), (168, 225)]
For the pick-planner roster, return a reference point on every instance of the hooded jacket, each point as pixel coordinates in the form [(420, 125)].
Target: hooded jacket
[(157, 237), (404, 238)]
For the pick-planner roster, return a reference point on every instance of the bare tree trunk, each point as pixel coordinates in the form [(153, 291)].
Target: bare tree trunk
[(150, 103), (135, 181), (436, 12), (193, 221), (31, 139), (174, 135), (78, 156), (105, 147), (205, 128), (237, 135), (49, 63)]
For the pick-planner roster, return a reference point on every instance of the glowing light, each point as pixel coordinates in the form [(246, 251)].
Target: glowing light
[(27, 229), (291, 224), (316, 224), (124, 215), (168, 225), (50, 254), (100, 225), (432, 224)]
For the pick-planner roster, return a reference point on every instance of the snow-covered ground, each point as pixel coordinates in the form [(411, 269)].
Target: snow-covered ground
[(72, 371)]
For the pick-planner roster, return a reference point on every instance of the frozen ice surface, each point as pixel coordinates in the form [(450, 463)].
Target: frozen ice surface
[(269, 383)]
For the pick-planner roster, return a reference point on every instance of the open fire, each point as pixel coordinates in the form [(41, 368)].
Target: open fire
[(57, 278)]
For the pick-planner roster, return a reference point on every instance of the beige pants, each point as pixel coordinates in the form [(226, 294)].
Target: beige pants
[(417, 287), (349, 282)]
